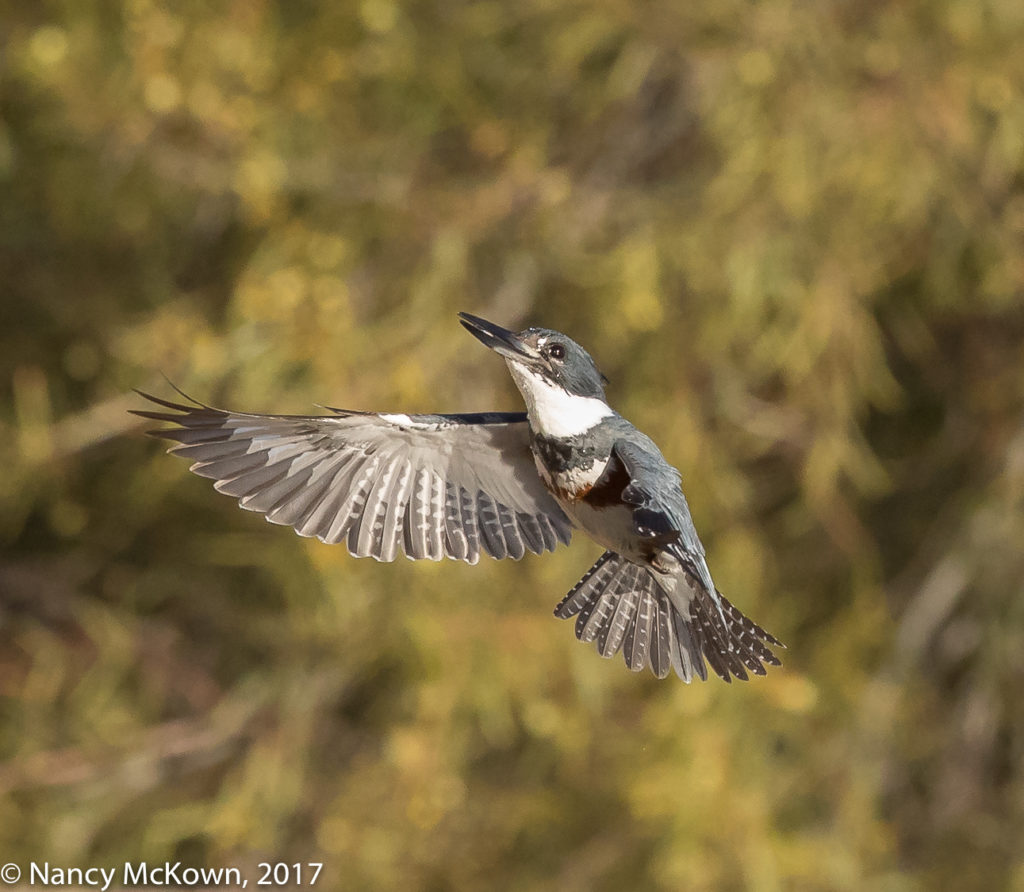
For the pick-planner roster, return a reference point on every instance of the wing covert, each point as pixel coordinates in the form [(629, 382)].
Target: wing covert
[(660, 512), (430, 486)]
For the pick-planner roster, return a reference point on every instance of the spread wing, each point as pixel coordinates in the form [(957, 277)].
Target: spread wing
[(431, 486)]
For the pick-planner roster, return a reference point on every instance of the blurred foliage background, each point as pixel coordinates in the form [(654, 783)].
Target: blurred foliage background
[(793, 236)]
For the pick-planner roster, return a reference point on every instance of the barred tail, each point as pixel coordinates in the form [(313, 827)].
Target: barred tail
[(622, 606)]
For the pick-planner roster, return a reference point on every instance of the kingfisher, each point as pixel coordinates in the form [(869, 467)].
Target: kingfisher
[(500, 483)]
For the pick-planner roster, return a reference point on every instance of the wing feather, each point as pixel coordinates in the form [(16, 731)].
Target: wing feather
[(370, 523), (470, 526), (514, 545), (455, 542), (321, 515), (432, 486), (394, 516), (251, 481), (530, 529), (437, 517), (286, 489), (490, 526), (416, 512), (293, 510)]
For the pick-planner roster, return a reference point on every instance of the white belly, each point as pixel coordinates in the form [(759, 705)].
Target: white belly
[(611, 527), (566, 484)]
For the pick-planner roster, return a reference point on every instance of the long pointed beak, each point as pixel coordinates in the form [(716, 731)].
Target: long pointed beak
[(499, 339)]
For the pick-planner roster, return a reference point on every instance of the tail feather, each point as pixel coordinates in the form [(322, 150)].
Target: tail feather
[(591, 584), (597, 613), (710, 642), (612, 634), (622, 606), (689, 650), (746, 629), (661, 656), (638, 633)]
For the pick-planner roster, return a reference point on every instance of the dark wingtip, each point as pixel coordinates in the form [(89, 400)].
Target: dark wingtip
[(182, 411), (167, 404), (181, 392), (177, 407)]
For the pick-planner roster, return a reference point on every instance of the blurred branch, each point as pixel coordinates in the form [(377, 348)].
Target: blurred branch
[(158, 753)]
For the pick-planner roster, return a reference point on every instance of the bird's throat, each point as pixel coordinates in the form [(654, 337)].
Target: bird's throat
[(553, 411)]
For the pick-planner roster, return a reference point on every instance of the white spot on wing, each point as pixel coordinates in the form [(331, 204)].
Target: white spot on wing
[(407, 422)]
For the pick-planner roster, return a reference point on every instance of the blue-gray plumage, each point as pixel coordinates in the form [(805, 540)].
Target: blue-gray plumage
[(436, 486)]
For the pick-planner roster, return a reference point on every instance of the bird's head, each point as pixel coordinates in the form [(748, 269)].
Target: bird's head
[(555, 375)]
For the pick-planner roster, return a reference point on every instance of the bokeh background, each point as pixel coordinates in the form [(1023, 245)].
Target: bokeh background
[(793, 236)]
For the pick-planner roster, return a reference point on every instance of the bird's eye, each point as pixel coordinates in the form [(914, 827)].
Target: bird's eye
[(556, 351)]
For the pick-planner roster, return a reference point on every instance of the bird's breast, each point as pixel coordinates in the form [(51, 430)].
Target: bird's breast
[(568, 470), (588, 484), (571, 484)]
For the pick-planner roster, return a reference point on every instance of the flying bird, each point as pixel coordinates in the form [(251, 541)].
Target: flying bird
[(502, 483)]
